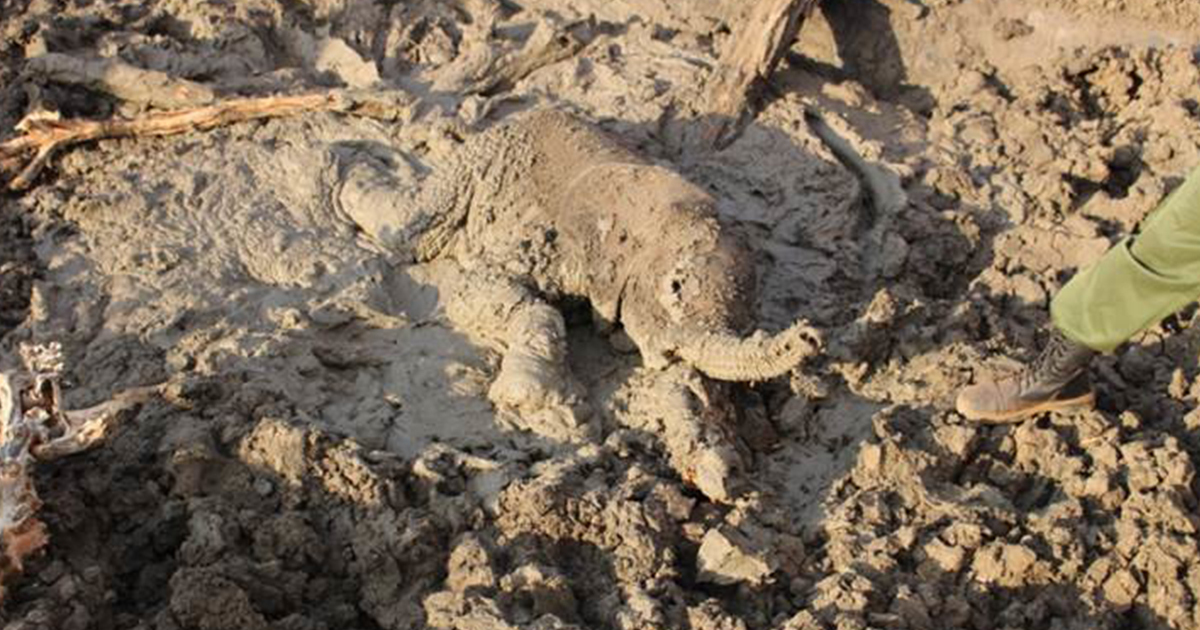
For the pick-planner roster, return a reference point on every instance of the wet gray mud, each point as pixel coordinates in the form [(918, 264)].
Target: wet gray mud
[(326, 454)]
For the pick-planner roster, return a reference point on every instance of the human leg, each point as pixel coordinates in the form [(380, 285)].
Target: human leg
[(1141, 280), (1138, 282)]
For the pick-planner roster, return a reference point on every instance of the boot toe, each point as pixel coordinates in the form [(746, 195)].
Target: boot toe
[(978, 401), (1005, 401), (993, 401)]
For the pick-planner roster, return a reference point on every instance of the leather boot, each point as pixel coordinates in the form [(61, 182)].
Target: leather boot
[(1057, 379)]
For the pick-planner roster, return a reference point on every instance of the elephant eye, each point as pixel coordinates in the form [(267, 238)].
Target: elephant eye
[(671, 297)]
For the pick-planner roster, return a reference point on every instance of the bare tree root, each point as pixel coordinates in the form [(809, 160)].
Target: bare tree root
[(549, 44), (758, 45), (487, 69), (124, 81), (34, 426), (884, 190), (24, 156)]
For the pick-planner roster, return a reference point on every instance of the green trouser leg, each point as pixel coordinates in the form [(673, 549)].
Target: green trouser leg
[(1141, 280)]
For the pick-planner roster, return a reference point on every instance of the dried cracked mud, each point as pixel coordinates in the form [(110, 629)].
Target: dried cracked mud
[(327, 457)]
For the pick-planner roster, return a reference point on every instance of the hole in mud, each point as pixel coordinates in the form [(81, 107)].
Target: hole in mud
[(1108, 228), (576, 311), (1135, 85), (999, 87), (1052, 102), (1082, 189), (1035, 493), (169, 26), (664, 34), (1121, 178), (80, 103), (1124, 168), (1084, 100), (1088, 103), (18, 270), (1176, 323), (1192, 107)]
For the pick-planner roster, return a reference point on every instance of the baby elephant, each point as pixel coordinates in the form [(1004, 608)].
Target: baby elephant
[(545, 206)]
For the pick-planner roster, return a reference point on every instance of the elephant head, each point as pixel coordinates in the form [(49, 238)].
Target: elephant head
[(692, 299)]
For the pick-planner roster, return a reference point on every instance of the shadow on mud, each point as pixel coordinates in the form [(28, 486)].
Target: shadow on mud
[(870, 53), (18, 266)]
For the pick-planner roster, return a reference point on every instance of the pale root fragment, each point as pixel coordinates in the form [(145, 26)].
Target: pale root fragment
[(122, 80), (34, 426), (759, 357)]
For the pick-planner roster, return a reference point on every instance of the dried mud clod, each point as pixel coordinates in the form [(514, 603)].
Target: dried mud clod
[(587, 521)]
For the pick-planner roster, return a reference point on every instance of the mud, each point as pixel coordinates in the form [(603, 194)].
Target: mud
[(327, 455)]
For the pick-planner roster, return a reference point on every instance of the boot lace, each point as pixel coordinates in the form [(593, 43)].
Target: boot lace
[(1059, 362)]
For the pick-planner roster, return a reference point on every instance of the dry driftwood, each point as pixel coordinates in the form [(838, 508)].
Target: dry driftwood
[(34, 426), (24, 156), (757, 46)]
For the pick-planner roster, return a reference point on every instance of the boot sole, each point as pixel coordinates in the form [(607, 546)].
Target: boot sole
[(1018, 415)]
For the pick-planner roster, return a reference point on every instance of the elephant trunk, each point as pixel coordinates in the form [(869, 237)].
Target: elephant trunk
[(758, 357)]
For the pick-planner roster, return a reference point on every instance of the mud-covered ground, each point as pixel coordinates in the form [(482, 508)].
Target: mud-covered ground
[(326, 455)]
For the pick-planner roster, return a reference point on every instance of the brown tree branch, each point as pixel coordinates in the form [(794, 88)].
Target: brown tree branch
[(758, 44)]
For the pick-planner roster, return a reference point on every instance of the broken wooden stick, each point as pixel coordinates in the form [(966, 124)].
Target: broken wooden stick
[(34, 426), (734, 92), (26, 154)]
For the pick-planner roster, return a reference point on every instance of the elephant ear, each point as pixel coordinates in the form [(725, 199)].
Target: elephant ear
[(757, 357)]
